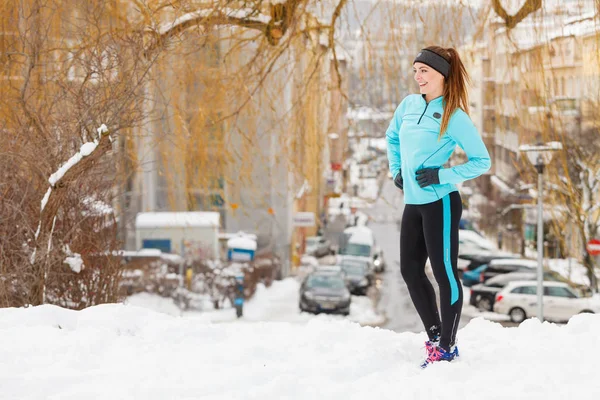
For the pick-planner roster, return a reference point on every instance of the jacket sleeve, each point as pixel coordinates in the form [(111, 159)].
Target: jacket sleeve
[(462, 130), (392, 136)]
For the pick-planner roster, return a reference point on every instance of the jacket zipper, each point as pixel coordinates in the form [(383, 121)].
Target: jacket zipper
[(421, 117)]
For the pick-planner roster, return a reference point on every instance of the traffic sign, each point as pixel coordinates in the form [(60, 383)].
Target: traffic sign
[(593, 247)]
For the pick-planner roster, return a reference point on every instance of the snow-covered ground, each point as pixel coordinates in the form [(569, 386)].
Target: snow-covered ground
[(279, 303), (127, 352)]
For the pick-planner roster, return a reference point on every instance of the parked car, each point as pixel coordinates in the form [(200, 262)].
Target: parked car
[(472, 277), (317, 246), (505, 266), (483, 295), (359, 242), (325, 292), (358, 275), (470, 261), (518, 300)]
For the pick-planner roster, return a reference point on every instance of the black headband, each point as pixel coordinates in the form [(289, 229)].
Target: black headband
[(434, 60)]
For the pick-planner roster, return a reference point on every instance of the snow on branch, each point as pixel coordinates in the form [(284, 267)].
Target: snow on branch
[(245, 15), (86, 150)]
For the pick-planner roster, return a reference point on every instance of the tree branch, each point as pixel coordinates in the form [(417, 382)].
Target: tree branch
[(334, 17), (511, 21), (274, 27)]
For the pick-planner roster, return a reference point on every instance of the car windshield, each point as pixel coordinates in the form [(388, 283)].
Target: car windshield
[(353, 269), (325, 281), (355, 249)]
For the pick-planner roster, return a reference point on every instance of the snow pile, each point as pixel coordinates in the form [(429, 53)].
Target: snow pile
[(75, 262), (164, 305), (168, 219), (116, 351), (96, 207), (241, 242), (574, 271)]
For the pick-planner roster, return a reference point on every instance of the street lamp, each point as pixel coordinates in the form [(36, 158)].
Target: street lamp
[(539, 155)]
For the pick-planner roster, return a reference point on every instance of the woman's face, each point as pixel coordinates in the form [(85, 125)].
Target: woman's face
[(429, 80)]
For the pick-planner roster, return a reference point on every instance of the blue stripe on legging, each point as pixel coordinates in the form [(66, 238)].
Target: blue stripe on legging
[(447, 261)]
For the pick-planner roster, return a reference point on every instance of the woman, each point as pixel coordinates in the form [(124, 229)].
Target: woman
[(421, 138)]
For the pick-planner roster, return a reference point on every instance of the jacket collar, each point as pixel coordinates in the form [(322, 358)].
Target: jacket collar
[(438, 99)]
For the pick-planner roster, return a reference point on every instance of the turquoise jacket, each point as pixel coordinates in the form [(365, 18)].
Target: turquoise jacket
[(412, 144)]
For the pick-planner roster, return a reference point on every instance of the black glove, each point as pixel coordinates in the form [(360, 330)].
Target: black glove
[(428, 176), (398, 181)]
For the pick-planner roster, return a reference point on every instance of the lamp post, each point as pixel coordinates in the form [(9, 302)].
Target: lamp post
[(539, 155)]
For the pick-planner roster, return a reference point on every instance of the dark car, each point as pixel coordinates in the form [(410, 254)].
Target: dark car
[(505, 266), (483, 295), (476, 260), (325, 292), (357, 274)]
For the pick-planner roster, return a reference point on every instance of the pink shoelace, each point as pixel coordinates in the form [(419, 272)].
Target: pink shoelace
[(433, 354)]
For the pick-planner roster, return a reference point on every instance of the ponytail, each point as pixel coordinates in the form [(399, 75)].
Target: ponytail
[(455, 90)]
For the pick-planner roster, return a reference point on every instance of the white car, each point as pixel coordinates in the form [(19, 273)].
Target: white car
[(519, 301)]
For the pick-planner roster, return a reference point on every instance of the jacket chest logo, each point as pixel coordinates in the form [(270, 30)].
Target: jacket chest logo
[(437, 115)]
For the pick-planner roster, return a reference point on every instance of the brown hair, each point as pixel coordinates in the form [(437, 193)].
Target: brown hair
[(455, 88)]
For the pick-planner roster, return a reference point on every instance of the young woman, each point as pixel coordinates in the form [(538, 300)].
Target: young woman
[(421, 138)]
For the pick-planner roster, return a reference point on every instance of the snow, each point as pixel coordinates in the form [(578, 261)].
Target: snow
[(576, 272), (118, 351), (368, 189), (501, 185), (75, 262), (96, 207), (305, 188), (164, 305), (366, 113), (470, 236), (550, 146), (153, 220), (85, 150), (279, 303), (102, 129), (241, 242), (242, 13), (45, 201), (512, 261), (360, 235)]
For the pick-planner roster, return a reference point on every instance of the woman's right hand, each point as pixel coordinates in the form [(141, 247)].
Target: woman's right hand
[(398, 181)]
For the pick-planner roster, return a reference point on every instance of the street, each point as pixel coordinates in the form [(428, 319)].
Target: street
[(395, 302)]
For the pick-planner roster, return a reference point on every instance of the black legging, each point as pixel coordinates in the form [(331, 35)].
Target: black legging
[(432, 230)]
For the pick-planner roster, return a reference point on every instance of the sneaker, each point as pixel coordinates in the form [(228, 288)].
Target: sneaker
[(439, 354), (430, 345)]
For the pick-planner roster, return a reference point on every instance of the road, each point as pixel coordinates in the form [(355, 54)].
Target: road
[(394, 301)]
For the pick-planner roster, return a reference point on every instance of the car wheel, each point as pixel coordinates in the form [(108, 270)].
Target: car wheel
[(484, 303), (517, 315)]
